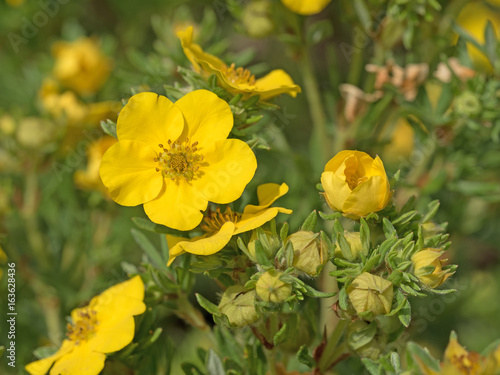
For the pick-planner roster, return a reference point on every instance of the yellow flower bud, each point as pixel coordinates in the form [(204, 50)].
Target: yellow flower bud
[(354, 241), (257, 19), (309, 252), (271, 289), (355, 184), (35, 132), (371, 293), (239, 306), (430, 257)]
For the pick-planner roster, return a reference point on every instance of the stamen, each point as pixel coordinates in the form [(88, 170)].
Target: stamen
[(214, 220), (179, 161)]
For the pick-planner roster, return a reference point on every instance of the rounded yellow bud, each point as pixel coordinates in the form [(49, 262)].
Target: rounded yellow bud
[(306, 7), (239, 306), (354, 241), (371, 293), (257, 19), (430, 257), (34, 132), (309, 252), (355, 184), (270, 288)]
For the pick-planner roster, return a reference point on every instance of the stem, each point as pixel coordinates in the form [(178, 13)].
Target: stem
[(330, 352), (271, 360), (319, 137)]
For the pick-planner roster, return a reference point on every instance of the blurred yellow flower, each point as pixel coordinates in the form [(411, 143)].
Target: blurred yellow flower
[(15, 3), (90, 179), (355, 184), (473, 18), (81, 65), (220, 227), (306, 7), (236, 80), (175, 158), (67, 107), (402, 141), (430, 257), (458, 361), (105, 325)]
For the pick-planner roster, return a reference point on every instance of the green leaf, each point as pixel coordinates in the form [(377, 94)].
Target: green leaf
[(371, 366), (344, 246), (304, 357), (261, 254), (243, 248), (389, 230), (445, 99), (423, 354), (109, 127), (284, 231), (343, 299), (43, 351), (363, 336), (289, 254), (214, 364), (405, 218), (490, 42), (311, 292), (404, 313), (191, 369), (207, 305), (371, 263), (149, 249), (285, 332), (395, 179), (310, 222), (364, 234), (333, 216), (432, 208)]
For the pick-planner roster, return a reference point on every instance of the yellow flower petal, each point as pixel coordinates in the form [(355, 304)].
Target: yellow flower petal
[(267, 194), (42, 366), (128, 171), (209, 118), (370, 196), (336, 190), (177, 206), (306, 7), (114, 334), (81, 361), (149, 118), (255, 220), (275, 83), (211, 244), (231, 166), (194, 52)]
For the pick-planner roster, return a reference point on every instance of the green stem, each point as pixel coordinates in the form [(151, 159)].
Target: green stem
[(330, 352), (311, 89), (271, 360)]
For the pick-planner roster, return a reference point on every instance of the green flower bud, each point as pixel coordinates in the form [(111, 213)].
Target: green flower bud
[(310, 254), (467, 104), (257, 19), (274, 244), (239, 306), (423, 263), (354, 241), (271, 289), (371, 293)]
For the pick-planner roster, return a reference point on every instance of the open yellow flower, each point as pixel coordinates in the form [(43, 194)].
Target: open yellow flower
[(81, 65), (306, 7), (106, 325), (236, 80), (458, 361), (220, 227), (355, 184), (175, 158)]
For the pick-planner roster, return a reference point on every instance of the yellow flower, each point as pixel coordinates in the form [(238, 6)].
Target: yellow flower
[(175, 158), (236, 80), (106, 325), (430, 257), (81, 65), (220, 227), (458, 361), (402, 141), (473, 18), (355, 184), (306, 7), (89, 179)]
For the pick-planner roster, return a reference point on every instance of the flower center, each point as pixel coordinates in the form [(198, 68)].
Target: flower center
[(353, 180), (83, 327), (238, 75), (179, 160), (354, 174), (216, 219)]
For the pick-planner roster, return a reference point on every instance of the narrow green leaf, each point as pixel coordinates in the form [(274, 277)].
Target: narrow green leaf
[(423, 354), (404, 313), (304, 357), (214, 364), (310, 222), (365, 236), (371, 366), (207, 305), (311, 292), (490, 42), (109, 127), (261, 254), (344, 246), (284, 231), (149, 249), (389, 230), (432, 208), (343, 299), (333, 216)]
